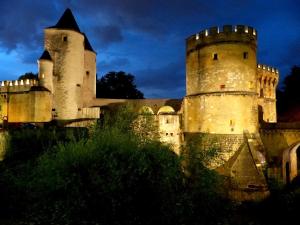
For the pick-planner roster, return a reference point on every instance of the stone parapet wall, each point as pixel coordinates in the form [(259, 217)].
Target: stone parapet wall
[(17, 85), (227, 33)]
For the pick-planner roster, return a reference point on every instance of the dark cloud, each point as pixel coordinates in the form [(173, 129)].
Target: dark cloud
[(141, 36), (155, 17), (22, 22), (114, 64), (168, 79), (106, 35)]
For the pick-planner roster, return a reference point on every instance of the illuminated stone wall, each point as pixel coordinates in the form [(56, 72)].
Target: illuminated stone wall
[(12, 88), (279, 137), (89, 77), (267, 80), (169, 130), (221, 81), (219, 113), (25, 107), (66, 48)]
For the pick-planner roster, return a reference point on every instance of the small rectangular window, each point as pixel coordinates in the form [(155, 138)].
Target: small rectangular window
[(53, 110), (78, 85), (245, 54), (79, 109), (65, 38), (215, 56), (87, 72), (222, 86)]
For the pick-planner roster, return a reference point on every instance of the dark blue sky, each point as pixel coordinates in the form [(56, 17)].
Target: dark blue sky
[(147, 37)]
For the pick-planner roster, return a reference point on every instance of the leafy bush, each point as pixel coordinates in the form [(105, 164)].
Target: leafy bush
[(114, 176)]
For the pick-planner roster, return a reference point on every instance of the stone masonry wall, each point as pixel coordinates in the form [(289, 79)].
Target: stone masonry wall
[(66, 48), (89, 78), (226, 145), (220, 113)]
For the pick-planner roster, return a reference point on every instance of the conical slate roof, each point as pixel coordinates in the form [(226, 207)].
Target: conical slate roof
[(45, 55), (87, 45), (67, 21)]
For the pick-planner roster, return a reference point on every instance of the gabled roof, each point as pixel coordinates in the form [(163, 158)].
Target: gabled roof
[(45, 55), (67, 21), (87, 45)]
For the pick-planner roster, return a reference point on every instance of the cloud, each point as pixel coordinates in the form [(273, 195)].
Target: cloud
[(108, 34), (141, 34), (114, 64), (21, 24), (166, 81), (154, 17)]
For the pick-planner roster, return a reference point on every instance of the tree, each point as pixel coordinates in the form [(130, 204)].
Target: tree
[(118, 85), (28, 75), (289, 98)]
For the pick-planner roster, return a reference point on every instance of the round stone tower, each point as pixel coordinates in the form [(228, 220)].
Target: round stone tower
[(221, 106), (45, 64), (221, 95), (65, 43), (89, 78)]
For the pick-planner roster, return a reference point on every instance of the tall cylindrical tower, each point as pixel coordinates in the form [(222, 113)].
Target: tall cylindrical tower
[(65, 43), (66, 47), (45, 64), (221, 80)]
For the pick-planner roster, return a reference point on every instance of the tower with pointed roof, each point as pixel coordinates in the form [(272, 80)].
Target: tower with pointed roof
[(68, 68)]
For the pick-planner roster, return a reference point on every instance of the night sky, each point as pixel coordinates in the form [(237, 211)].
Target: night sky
[(147, 37)]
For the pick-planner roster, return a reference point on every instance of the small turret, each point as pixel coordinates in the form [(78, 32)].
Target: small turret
[(45, 64)]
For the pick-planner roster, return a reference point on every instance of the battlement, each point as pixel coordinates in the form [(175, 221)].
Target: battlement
[(227, 33), (17, 85), (267, 68)]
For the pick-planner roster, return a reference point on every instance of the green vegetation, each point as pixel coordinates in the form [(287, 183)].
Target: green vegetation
[(29, 75), (109, 175), (113, 174), (118, 85)]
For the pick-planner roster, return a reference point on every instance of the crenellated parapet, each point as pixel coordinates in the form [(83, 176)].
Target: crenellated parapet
[(17, 85), (267, 80), (227, 33)]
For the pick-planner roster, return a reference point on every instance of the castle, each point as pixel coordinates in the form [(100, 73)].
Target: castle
[(230, 102)]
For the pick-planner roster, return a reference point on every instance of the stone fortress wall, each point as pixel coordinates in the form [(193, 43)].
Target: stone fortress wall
[(267, 81), (221, 81), (66, 84), (24, 100), (225, 92)]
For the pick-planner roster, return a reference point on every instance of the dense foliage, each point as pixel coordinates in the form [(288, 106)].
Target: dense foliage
[(28, 75), (118, 85), (113, 174)]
